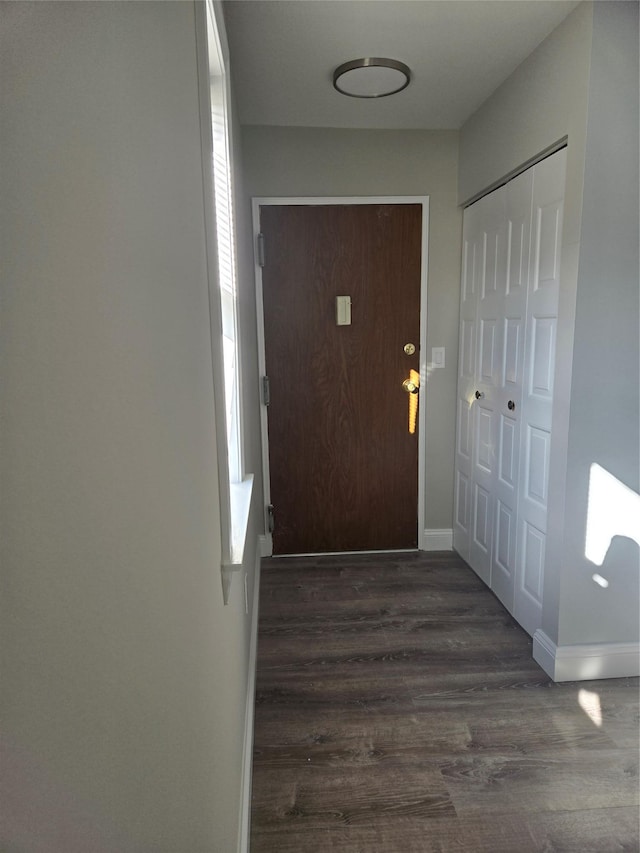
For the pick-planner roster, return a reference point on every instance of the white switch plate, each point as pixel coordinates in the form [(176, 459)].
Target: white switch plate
[(437, 356)]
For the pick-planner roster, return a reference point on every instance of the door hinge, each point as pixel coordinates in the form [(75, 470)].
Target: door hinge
[(266, 391), (261, 250), (271, 524)]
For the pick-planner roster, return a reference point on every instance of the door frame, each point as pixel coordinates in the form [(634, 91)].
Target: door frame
[(266, 542)]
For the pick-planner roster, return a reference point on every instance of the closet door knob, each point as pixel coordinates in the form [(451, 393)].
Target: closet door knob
[(511, 405), (479, 394)]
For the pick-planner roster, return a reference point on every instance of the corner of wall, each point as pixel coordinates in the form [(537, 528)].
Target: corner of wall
[(586, 662)]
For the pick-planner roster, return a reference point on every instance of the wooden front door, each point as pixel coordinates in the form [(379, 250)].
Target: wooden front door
[(342, 451)]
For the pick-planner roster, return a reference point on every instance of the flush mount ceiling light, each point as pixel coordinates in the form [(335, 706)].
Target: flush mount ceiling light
[(372, 77)]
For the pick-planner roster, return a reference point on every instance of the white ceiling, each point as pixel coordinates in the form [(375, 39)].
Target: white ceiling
[(283, 54)]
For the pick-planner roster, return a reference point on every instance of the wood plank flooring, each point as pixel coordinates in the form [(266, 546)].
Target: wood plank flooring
[(399, 710)]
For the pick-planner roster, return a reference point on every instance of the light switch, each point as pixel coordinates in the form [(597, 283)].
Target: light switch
[(343, 310), (437, 356)]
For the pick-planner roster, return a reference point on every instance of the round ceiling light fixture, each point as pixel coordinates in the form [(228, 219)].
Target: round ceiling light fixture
[(371, 77)]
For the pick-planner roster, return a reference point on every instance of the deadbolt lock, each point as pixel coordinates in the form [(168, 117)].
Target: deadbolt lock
[(409, 349)]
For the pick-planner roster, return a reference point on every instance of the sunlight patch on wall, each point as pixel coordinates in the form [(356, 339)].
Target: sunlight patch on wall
[(613, 510)]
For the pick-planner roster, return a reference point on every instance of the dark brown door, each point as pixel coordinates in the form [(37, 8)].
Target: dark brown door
[(343, 462)]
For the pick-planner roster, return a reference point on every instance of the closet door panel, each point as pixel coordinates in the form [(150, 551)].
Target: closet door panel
[(472, 248), (543, 345), (534, 543), (481, 538), (464, 437), (489, 349), (537, 399), (513, 348), (517, 214), (461, 515), (504, 551)]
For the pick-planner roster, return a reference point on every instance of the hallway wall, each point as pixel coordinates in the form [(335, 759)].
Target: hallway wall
[(604, 423), (124, 676)]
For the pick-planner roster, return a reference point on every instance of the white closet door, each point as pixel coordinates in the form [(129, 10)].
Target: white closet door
[(508, 323), (489, 330), (537, 398), (472, 251), (518, 197)]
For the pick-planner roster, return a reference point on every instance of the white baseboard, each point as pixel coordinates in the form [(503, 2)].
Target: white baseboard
[(437, 540), (247, 758), (265, 545), (586, 662)]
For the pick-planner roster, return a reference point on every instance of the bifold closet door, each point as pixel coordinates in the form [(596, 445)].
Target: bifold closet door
[(508, 320)]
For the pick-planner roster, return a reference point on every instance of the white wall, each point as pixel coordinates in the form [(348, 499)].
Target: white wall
[(124, 676), (285, 161), (585, 71), (605, 416), (544, 100)]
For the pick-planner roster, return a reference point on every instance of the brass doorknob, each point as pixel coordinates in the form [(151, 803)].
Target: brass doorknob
[(410, 387)]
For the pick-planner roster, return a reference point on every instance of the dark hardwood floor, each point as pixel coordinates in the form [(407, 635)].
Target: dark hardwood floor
[(399, 710)]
